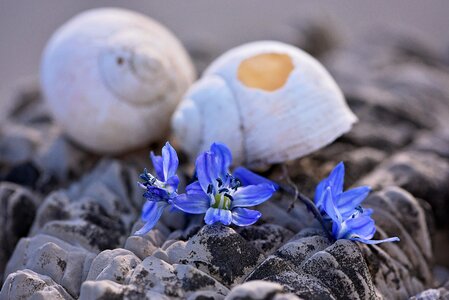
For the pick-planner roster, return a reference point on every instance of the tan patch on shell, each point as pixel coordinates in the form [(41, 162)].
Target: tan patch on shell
[(268, 71)]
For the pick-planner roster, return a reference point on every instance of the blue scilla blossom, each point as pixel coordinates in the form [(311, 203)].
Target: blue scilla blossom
[(346, 201), (221, 196), (160, 190), (349, 220)]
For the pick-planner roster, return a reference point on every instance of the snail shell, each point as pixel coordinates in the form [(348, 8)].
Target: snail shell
[(112, 78), (268, 101)]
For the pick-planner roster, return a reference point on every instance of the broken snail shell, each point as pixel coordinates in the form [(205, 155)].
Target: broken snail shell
[(269, 102), (113, 77)]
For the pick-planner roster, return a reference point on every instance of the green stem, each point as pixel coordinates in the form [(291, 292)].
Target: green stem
[(310, 206)]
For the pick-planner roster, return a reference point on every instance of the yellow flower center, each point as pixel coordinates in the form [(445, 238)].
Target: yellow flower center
[(221, 201)]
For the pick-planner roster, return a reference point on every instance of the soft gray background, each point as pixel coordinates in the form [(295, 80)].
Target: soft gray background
[(26, 25)]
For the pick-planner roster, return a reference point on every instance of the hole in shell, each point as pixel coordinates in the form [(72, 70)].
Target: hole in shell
[(268, 71), (120, 60)]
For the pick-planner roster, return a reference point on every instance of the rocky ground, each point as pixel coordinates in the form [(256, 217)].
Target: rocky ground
[(67, 216)]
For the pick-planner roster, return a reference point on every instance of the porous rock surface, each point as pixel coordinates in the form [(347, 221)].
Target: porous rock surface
[(68, 216)]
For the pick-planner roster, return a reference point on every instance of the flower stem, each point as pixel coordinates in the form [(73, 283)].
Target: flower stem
[(292, 190)]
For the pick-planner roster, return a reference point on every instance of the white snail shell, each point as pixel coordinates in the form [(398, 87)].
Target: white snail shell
[(269, 102), (112, 78)]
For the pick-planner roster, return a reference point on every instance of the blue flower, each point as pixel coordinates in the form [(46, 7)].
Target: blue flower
[(224, 197), (349, 220), (160, 190), (346, 201)]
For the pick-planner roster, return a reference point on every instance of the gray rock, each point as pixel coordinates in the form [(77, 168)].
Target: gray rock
[(150, 278), (433, 141), (66, 264), (114, 265), (211, 249), (425, 175), (97, 212), (381, 136), (267, 238), (73, 225), (17, 211), (61, 160), (26, 284), (284, 211), (399, 270), (205, 295), (16, 147), (432, 294), (106, 289), (314, 268), (142, 246), (174, 219), (259, 290), (177, 281)]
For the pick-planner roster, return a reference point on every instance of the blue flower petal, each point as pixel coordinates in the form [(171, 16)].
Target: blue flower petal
[(156, 194), (194, 202), (244, 216), (147, 208), (362, 226), (223, 156), (252, 195), (247, 177), (337, 228), (152, 214), (349, 200), (373, 242), (206, 170), (329, 206), (336, 179), (158, 166), (170, 161), (319, 194), (194, 188), (172, 184), (214, 215)]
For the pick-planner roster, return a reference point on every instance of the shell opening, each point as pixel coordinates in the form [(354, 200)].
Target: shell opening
[(268, 71)]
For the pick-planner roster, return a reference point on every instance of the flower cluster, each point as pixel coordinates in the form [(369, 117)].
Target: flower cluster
[(349, 219), (225, 197), (222, 196)]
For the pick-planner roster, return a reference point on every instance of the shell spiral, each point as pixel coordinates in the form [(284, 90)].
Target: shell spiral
[(112, 78), (269, 102)]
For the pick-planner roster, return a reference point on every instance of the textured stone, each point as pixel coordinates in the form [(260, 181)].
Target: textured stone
[(115, 265), (17, 211), (106, 289), (399, 270), (431, 141), (17, 144), (432, 294), (266, 238), (66, 264), (97, 212), (425, 175), (258, 290), (314, 268), (210, 251), (26, 284), (173, 281)]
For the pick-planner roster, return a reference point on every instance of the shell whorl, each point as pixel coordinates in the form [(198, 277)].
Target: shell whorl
[(112, 78), (134, 69)]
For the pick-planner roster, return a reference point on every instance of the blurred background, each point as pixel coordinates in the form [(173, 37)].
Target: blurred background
[(26, 25)]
